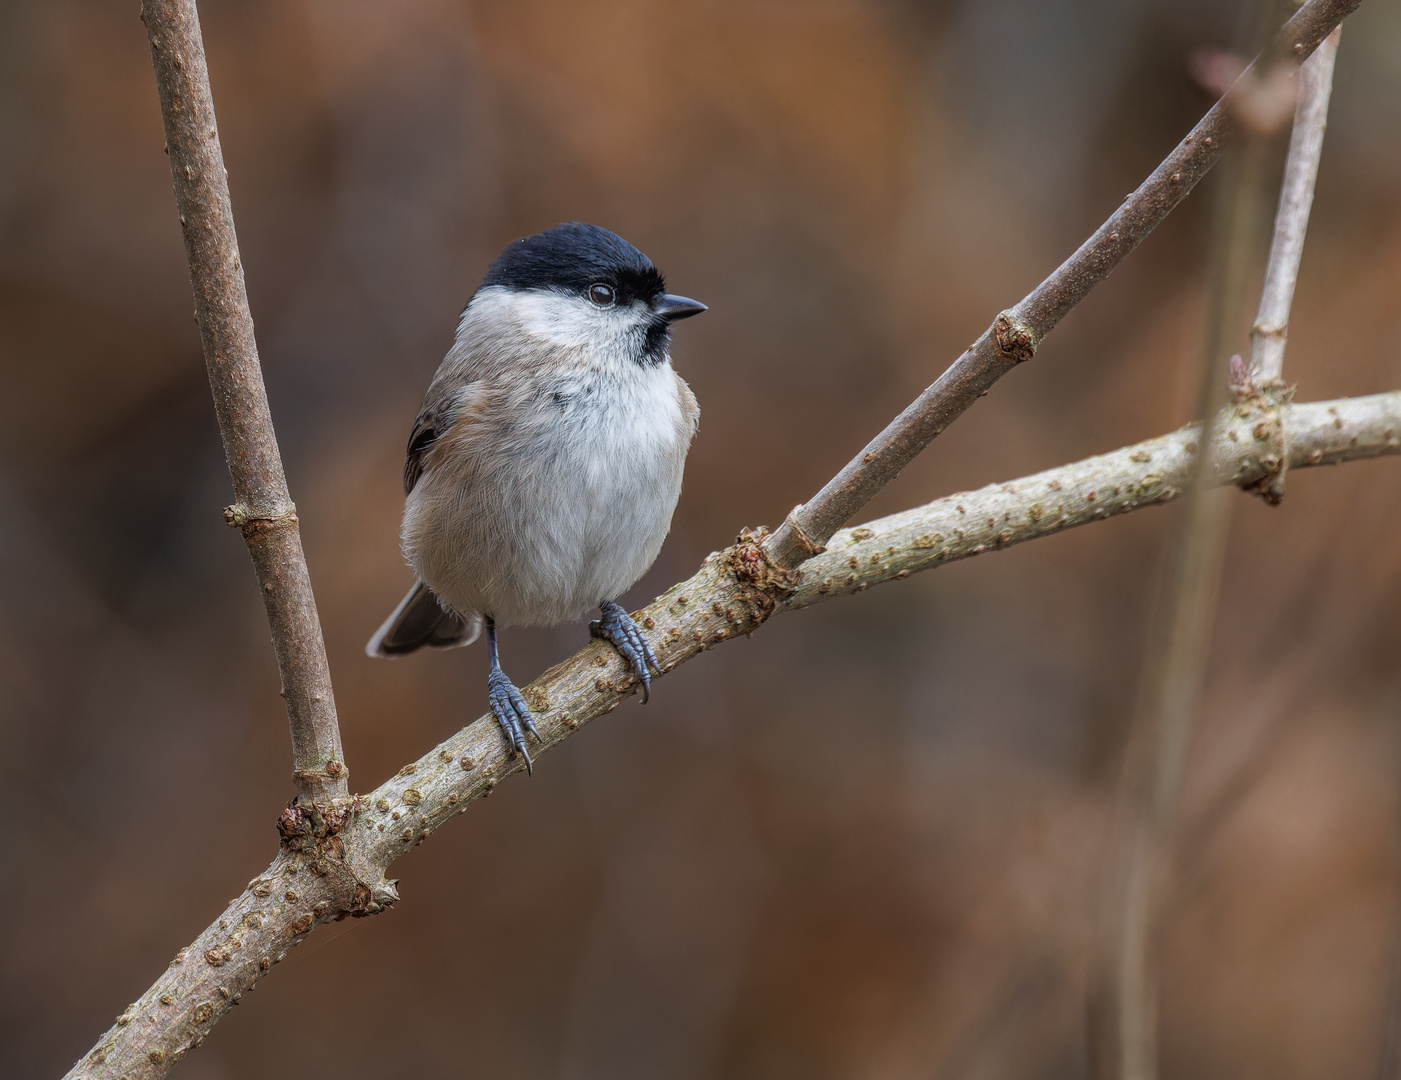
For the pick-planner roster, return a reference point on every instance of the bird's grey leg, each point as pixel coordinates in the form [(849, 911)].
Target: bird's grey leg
[(507, 704), (618, 627)]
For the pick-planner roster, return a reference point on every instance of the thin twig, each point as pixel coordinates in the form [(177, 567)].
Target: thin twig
[(263, 508), (1016, 333), (1271, 329), (1264, 377), (334, 861)]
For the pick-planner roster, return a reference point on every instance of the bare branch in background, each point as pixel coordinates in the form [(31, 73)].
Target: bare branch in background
[(1180, 637), (334, 863), (263, 510), (1015, 334), (1173, 672)]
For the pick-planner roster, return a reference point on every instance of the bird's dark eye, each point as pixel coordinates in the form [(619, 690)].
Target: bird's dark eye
[(601, 294)]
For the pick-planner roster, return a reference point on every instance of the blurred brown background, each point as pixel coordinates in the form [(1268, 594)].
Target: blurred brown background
[(868, 843)]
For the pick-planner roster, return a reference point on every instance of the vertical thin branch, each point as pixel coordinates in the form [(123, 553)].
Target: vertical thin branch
[(1264, 379), (1178, 643), (1186, 604), (1389, 1058), (1271, 330), (263, 509)]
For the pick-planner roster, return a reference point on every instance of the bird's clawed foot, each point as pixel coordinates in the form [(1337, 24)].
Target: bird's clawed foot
[(507, 703), (618, 627), (512, 713)]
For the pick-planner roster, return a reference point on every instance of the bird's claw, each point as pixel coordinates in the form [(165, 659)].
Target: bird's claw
[(618, 627), (512, 713)]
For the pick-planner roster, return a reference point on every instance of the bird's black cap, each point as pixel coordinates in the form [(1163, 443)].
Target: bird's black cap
[(573, 256)]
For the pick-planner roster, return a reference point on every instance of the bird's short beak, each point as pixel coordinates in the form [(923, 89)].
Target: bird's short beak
[(671, 307)]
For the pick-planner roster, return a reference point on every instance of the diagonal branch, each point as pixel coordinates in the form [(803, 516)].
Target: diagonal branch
[(333, 861), (263, 510), (1015, 334)]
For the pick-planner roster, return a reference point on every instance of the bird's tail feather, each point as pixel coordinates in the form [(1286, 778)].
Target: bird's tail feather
[(420, 621)]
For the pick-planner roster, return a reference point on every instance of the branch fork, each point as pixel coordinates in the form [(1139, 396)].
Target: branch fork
[(1259, 408)]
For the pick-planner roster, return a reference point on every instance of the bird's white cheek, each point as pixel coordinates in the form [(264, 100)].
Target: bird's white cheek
[(572, 323)]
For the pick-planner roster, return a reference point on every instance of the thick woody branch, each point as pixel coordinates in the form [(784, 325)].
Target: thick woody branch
[(1147, 474), (333, 862), (1271, 328), (263, 508), (1016, 333)]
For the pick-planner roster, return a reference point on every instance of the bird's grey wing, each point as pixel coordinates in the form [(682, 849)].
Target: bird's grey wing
[(427, 426), (443, 408)]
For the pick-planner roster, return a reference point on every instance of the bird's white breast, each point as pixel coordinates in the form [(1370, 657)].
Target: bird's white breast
[(555, 490)]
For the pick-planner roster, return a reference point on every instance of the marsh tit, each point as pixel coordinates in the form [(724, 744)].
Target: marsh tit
[(546, 461)]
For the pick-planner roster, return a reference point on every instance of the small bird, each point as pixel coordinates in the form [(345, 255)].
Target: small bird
[(546, 461)]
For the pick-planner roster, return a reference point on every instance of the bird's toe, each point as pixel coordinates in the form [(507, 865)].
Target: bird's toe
[(512, 713), (619, 628)]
